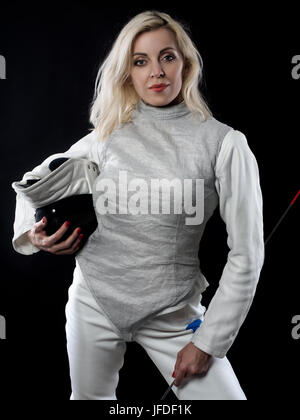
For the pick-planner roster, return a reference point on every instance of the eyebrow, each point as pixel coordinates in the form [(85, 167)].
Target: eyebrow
[(161, 51)]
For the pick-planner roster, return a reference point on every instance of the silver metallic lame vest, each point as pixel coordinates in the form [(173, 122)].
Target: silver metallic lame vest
[(138, 265)]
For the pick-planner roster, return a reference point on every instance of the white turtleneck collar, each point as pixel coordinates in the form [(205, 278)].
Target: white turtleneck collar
[(160, 112)]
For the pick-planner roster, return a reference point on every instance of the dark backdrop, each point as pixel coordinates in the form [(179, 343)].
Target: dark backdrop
[(52, 56)]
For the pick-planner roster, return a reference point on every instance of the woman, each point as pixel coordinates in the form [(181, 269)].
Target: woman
[(138, 276)]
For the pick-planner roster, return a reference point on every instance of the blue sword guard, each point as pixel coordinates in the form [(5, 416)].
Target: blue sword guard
[(194, 325)]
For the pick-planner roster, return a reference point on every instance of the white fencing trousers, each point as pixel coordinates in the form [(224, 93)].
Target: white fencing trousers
[(96, 351)]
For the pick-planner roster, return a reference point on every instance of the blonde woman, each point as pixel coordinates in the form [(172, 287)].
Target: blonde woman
[(138, 276)]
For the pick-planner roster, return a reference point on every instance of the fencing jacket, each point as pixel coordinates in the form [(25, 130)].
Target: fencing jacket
[(141, 265)]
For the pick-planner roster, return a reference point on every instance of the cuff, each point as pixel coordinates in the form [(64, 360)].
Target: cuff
[(220, 353), (22, 245)]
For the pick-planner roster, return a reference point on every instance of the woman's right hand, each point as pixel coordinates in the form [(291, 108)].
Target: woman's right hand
[(38, 237)]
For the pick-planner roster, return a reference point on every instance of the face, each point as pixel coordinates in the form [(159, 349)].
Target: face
[(156, 60)]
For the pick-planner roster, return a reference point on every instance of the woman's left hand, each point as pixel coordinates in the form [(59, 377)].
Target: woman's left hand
[(190, 361)]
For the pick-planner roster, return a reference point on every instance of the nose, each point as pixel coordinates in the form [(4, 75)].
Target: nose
[(157, 70)]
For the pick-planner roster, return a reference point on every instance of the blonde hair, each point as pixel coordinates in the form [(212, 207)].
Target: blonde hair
[(115, 98)]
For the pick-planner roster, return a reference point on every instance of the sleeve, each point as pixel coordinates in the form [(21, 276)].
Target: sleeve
[(87, 147), (240, 205)]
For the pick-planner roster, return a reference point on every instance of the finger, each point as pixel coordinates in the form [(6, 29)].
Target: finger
[(71, 250), (56, 236), (45, 242), (181, 373), (68, 243), (39, 226), (178, 361)]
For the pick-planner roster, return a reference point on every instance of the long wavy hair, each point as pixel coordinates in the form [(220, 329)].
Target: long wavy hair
[(115, 98)]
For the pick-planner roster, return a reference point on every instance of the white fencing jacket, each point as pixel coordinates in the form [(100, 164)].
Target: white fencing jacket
[(141, 265)]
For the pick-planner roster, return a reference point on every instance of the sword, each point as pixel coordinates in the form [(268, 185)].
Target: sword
[(194, 325), (168, 390)]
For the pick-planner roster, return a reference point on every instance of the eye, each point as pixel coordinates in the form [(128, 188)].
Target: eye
[(169, 57), (136, 63)]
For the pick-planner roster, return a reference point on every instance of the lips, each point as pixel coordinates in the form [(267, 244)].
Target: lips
[(158, 88)]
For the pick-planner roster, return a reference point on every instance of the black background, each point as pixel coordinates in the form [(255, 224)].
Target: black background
[(52, 56)]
